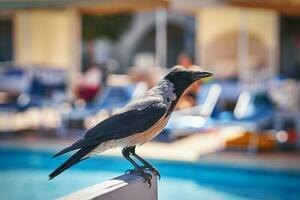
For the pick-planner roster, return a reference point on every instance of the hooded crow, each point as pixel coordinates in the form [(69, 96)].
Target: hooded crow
[(138, 122)]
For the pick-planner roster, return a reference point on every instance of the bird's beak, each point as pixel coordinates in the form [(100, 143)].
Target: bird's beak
[(201, 74)]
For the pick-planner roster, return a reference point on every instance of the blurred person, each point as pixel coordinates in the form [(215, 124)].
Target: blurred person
[(90, 83), (189, 97)]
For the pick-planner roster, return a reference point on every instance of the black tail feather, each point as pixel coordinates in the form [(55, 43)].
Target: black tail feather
[(66, 150), (76, 145), (74, 159)]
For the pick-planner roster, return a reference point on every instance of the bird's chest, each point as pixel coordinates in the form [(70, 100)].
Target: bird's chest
[(143, 137)]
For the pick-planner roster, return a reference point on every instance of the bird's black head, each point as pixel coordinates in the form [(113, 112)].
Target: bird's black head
[(183, 78)]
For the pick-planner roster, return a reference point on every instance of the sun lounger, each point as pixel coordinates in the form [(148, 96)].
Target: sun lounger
[(185, 122)]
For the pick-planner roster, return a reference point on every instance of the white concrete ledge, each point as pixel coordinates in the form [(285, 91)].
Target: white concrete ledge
[(125, 187)]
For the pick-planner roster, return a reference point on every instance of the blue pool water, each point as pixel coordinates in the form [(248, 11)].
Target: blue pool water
[(24, 175)]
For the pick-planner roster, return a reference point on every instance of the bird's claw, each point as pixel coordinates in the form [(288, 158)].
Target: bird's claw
[(153, 170), (147, 178), (140, 172)]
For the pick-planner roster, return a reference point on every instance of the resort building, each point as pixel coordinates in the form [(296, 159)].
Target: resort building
[(233, 38)]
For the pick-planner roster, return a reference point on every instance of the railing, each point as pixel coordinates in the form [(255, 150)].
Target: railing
[(125, 187)]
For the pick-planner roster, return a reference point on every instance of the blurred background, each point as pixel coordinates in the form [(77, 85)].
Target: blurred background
[(67, 65)]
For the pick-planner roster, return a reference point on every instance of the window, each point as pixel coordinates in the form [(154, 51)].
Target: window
[(6, 40), (290, 47)]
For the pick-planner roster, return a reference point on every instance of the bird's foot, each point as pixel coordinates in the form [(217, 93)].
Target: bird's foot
[(153, 170), (140, 172)]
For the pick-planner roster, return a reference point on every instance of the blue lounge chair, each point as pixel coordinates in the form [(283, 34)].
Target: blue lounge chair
[(32, 87), (253, 112), (194, 119)]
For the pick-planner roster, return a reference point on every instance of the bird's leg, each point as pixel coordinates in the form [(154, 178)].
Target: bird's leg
[(138, 170), (146, 164), (126, 155)]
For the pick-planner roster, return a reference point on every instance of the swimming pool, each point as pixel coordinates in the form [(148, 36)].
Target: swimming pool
[(24, 175)]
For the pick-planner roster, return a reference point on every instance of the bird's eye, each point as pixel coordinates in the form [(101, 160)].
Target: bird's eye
[(168, 99)]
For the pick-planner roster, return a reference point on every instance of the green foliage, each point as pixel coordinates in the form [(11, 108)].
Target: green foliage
[(108, 26)]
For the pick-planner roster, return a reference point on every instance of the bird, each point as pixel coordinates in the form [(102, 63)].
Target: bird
[(136, 123)]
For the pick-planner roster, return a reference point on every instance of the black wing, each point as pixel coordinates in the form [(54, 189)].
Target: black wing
[(120, 126)]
